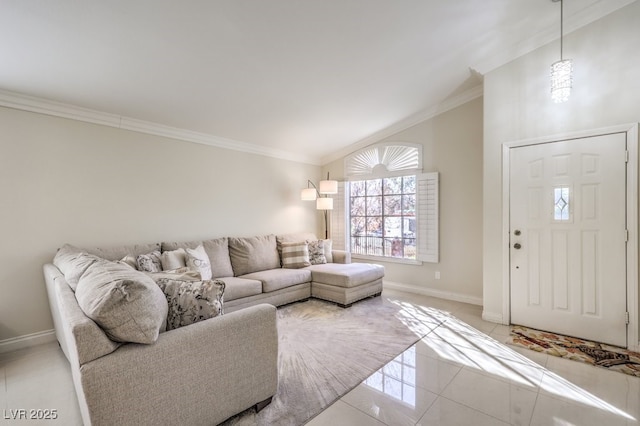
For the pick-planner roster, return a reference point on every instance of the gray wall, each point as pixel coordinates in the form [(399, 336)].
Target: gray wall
[(517, 106), (452, 145), (90, 185)]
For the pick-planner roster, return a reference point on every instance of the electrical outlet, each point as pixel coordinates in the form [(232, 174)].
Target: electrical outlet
[(437, 275)]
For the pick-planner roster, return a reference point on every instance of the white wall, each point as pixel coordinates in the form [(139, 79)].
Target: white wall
[(452, 145), (90, 185), (606, 92)]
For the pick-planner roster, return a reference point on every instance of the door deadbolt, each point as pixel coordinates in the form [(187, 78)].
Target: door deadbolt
[(517, 232), (517, 246)]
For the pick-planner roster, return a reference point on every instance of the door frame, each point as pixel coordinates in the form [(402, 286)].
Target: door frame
[(633, 292)]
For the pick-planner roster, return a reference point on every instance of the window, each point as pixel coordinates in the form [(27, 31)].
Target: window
[(561, 202), (383, 217), (387, 207)]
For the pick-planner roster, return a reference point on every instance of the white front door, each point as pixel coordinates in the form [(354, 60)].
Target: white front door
[(568, 237)]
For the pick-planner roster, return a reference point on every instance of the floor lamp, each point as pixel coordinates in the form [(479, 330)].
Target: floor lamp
[(320, 195)]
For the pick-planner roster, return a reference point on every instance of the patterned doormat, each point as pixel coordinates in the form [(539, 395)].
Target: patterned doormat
[(598, 354)]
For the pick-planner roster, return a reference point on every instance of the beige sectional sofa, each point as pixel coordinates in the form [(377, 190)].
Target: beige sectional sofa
[(210, 370)]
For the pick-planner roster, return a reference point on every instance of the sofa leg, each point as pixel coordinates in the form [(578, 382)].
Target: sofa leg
[(260, 405), (348, 305)]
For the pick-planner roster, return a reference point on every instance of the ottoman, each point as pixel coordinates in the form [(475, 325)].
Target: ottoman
[(346, 283)]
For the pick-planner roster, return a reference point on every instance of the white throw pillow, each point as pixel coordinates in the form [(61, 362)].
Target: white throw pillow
[(328, 250), (173, 259), (198, 260), (129, 260)]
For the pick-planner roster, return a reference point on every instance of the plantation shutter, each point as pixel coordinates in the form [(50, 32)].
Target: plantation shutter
[(338, 225), (427, 217)]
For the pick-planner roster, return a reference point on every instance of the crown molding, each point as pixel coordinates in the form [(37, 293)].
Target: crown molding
[(447, 105), (58, 109)]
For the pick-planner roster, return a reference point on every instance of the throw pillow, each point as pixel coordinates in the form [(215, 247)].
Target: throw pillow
[(295, 255), (191, 301), (125, 303), (173, 259), (316, 252), (198, 260), (149, 262), (130, 261), (73, 263), (328, 248)]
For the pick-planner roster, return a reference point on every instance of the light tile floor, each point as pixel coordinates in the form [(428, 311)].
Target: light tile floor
[(462, 373), (459, 374)]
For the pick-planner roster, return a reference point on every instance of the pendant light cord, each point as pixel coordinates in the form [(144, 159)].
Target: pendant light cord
[(561, 29)]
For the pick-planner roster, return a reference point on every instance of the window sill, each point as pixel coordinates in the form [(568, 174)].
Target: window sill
[(386, 259)]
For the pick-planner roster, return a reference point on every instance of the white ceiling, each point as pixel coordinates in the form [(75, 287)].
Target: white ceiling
[(309, 78)]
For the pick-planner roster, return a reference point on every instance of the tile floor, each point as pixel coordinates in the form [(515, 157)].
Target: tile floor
[(459, 374)]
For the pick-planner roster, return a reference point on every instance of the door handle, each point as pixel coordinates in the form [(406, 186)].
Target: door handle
[(517, 246)]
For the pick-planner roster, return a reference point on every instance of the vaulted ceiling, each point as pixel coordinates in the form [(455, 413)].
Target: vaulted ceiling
[(295, 78)]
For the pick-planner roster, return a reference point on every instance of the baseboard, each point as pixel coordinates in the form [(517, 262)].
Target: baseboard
[(433, 293), (492, 317), (27, 341)]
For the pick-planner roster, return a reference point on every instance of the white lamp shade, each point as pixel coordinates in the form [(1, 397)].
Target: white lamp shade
[(328, 187), (308, 194), (324, 204)]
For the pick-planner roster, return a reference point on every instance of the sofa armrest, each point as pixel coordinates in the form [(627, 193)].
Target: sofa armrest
[(80, 338), (341, 256), (202, 373)]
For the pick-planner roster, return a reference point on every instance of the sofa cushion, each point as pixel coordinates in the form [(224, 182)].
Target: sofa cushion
[(345, 275), (191, 301), (118, 252), (125, 303), (253, 254), (295, 255), (295, 237), (217, 249), (237, 288), (198, 260), (149, 262), (73, 262), (316, 252), (275, 279)]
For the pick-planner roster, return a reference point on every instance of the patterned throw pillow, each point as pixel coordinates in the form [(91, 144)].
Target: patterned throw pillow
[(191, 301), (295, 255), (198, 260), (316, 252), (149, 262)]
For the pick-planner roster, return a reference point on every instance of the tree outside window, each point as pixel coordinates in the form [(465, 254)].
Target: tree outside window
[(383, 217)]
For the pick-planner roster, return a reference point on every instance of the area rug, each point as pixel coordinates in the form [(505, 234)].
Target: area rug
[(597, 354), (325, 351)]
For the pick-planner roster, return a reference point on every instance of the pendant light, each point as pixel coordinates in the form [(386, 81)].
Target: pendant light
[(562, 70)]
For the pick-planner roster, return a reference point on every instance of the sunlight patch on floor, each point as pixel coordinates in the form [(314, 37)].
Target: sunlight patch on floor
[(454, 340)]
